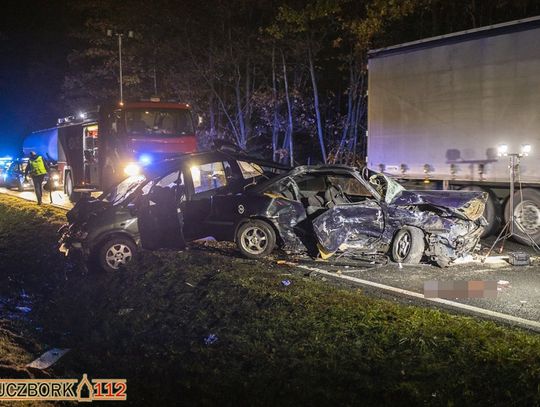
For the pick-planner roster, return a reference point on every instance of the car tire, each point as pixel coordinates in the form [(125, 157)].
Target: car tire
[(115, 253), (255, 239), (492, 212), (527, 216), (408, 245)]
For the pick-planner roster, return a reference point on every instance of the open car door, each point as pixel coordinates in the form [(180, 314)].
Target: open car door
[(160, 213)]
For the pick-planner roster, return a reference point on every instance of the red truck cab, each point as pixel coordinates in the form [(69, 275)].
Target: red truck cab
[(121, 139)]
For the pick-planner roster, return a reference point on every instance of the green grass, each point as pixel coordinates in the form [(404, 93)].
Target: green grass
[(308, 343)]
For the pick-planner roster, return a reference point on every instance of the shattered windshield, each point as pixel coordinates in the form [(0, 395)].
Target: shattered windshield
[(120, 192), (387, 187)]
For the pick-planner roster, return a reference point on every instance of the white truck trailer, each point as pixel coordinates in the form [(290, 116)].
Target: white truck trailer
[(441, 111)]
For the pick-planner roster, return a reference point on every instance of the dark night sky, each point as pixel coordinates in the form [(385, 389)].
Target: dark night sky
[(34, 44)]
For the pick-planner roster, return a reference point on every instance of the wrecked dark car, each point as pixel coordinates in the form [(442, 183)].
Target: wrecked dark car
[(171, 202), (316, 210)]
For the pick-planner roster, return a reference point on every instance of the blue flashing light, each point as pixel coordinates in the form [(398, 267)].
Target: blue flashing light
[(145, 159)]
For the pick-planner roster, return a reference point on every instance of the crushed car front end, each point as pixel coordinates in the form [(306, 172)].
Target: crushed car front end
[(452, 221)]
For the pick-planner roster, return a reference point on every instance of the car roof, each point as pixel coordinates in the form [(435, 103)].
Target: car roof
[(170, 164), (307, 169)]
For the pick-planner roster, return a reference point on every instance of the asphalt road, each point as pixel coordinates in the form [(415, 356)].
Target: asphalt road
[(59, 199), (518, 288)]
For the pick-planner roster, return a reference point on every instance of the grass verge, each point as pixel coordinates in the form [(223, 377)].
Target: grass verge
[(201, 328)]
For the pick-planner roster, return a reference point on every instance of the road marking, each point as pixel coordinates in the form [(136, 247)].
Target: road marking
[(526, 323)]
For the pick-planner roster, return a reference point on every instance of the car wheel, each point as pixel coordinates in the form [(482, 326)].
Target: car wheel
[(408, 245), (255, 239), (115, 253), (526, 216)]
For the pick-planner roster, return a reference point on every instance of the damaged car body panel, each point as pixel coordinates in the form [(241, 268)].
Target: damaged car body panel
[(318, 210), (366, 210)]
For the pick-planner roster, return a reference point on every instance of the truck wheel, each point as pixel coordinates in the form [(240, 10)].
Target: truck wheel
[(493, 211), (526, 216), (115, 253), (408, 245), (255, 239), (68, 189)]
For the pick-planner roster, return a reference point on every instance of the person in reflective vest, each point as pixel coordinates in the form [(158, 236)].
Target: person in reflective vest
[(37, 168)]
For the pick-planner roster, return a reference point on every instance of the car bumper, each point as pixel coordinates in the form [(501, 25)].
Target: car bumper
[(461, 240), (69, 244)]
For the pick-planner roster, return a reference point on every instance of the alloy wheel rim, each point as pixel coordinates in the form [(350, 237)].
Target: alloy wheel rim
[(527, 217), (117, 255), (254, 240), (404, 245)]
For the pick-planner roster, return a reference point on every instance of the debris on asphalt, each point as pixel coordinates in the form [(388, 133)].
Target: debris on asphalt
[(211, 339), (124, 311), (47, 359), (464, 260), (502, 284), (286, 263)]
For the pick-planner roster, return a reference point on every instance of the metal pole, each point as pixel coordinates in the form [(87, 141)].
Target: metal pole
[(120, 64), (511, 198)]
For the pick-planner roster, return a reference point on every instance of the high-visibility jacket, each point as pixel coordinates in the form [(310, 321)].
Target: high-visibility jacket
[(37, 167)]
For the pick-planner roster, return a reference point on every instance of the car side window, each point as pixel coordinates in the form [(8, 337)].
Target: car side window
[(209, 177), (170, 186), (350, 186), (171, 180), (311, 183)]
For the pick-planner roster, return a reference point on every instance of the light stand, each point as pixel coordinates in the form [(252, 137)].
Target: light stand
[(121, 73), (508, 230)]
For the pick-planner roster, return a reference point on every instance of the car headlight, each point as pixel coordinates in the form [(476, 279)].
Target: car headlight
[(132, 169)]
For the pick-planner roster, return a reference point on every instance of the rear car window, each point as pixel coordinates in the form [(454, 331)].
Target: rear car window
[(250, 170)]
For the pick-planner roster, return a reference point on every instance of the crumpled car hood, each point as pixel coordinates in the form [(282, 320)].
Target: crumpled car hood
[(85, 208), (470, 204)]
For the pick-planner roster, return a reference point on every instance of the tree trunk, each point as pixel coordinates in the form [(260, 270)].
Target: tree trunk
[(275, 123), (316, 103), (289, 136), (240, 113)]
